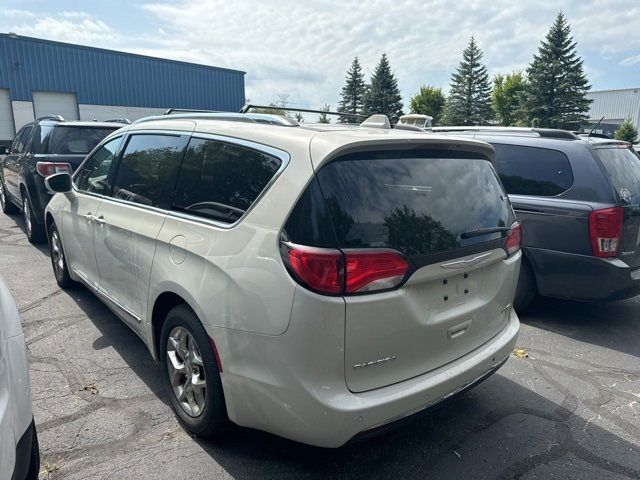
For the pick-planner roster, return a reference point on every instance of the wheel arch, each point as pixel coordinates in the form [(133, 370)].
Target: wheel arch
[(162, 304)]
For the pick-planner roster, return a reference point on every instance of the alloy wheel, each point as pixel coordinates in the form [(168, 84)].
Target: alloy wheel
[(57, 256), (2, 197), (186, 371)]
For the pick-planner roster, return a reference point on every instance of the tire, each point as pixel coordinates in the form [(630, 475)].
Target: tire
[(202, 411), (5, 203), (34, 462), (59, 259), (33, 229), (527, 290)]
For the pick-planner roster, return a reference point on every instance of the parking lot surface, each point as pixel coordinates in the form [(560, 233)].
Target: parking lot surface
[(566, 406)]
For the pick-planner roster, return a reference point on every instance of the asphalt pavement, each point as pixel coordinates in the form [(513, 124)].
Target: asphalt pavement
[(566, 406)]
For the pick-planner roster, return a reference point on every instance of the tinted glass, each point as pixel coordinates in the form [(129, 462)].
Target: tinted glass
[(93, 176), (67, 140), (532, 170), (623, 168), (221, 181), (419, 205), (147, 172), (22, 139)]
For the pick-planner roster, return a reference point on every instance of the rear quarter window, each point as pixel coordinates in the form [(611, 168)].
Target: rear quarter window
[(533, 171)]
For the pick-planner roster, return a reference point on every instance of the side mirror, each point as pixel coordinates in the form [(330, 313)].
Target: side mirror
[(5, 150), (58, 183)]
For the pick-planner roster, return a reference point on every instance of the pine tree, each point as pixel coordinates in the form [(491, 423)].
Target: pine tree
[(627, 132), (323, 116), (353, 92), (556, 96), (428, 101), (469, 101), (383, 94)]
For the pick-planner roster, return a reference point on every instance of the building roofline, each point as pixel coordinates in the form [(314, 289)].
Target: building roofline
[(14, 36), (614, 90)]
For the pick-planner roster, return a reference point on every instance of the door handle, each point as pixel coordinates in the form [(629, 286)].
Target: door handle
[(100, 220)]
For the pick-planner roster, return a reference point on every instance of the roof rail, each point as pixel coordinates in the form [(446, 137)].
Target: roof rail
[(171, 111), (249, 106), (541, 132), (58, 118), (228, 117), (126, 121)]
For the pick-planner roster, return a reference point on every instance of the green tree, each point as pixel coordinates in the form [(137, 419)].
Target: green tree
[(556, 95), (383, 94), (353, 92), (627, 132), (428, 101), (469, 101), (323, 116), (508, 97)]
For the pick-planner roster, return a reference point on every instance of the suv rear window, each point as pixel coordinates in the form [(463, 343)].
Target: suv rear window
[(532, 170), (623, 168), (67, 140), (416, 202)]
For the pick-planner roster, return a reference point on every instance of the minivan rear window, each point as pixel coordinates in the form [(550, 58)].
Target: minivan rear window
[(532, 170), (417, 202), (623, 168)]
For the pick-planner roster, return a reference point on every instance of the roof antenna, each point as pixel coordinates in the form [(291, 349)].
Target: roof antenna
[(596, 126)]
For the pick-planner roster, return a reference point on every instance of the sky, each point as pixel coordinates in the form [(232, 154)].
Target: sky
[(303, 48)]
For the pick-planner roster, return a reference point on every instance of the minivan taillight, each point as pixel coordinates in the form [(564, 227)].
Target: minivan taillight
[(46, 169), (514, 239), (605, 230), (334, 272)]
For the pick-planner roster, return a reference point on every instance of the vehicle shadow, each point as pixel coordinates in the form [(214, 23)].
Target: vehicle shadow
[(614, 325), (499, 430)]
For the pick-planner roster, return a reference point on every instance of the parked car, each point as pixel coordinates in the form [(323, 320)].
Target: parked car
[(41, 148), (578, 199), (316, 282), (19, 452)]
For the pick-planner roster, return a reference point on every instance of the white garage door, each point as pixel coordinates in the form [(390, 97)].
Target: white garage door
[(55, 103), (7, 130)]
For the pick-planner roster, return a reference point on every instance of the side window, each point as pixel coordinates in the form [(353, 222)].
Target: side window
[(147, 172), (221, 181), (93, 176), (21, 140), (532, 170)]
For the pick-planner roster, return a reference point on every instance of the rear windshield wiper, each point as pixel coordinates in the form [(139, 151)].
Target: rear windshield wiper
[(483, 231)]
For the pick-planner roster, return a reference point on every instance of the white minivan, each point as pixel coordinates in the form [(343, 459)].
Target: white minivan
[(314, 281), (19, 453)]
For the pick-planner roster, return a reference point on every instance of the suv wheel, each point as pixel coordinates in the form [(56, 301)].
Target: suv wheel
[(58, 260), (7, 206), (35, 232), (527, 291), (191, 374)]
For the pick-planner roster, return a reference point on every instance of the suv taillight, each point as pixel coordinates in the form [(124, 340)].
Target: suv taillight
[(514, 239), (46, 169), (605, 230), (334, 272)]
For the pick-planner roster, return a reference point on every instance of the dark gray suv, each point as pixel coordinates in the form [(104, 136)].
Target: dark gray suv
[(41, 148), (578, 200)]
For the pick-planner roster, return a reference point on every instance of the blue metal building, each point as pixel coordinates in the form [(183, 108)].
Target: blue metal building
[(42, 77)]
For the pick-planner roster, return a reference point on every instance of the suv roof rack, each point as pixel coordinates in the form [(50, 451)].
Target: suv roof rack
[(172, 111), (58, 118), (249, 106), (126, 121), (541, 132)]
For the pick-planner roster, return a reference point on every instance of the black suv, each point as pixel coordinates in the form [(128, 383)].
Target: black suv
[(578, 200), (41, 148)]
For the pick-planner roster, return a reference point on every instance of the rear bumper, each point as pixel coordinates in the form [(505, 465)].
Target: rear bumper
[(27, 455), (330, 415), (582, 277), (39, 196)]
